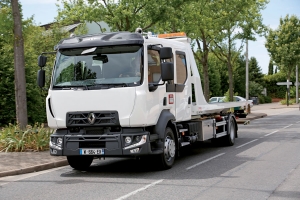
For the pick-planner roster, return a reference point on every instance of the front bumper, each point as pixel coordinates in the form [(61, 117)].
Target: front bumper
[(113, 143)]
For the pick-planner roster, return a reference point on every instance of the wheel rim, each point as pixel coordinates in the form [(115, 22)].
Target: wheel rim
[(169, 150), (232, 131)]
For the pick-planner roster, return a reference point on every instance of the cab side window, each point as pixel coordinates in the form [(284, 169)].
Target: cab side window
[(181, 68), (154, 71)]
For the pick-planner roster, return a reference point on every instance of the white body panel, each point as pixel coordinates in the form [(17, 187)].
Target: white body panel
[(63, 101)]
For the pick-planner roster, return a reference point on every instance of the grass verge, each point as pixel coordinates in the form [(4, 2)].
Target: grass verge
[(33, 138)]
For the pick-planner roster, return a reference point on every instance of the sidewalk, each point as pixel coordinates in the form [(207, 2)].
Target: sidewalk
[(268, 109), (26, 162)]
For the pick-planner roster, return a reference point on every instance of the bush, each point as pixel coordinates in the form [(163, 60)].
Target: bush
[(13, 139), (291, 101), (268, 99), (261, 99)]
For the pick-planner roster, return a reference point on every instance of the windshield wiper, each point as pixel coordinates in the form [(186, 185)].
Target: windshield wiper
[(70, 87), (108, 85)]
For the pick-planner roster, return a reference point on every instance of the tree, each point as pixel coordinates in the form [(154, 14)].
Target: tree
[(19, 63), (283, 44), (201, 31), (215, 86), (255, 73), (36, 40), (239, 73), (120, 15), (270, 68), (239, 20)]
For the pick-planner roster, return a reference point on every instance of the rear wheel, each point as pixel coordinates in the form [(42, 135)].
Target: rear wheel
[(80, 162), (167, 158), (231, 132)]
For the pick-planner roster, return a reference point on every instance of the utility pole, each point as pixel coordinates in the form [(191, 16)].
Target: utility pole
[(247, 73), (297, 85)]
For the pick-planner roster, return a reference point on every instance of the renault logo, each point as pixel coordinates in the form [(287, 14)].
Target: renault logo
[(91, 118)]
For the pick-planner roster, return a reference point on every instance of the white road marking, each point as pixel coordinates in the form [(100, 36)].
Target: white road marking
[(287, 126), (246, 143), (297, 122), (139, 190), (271, 133), (204, 161), (9, 179)]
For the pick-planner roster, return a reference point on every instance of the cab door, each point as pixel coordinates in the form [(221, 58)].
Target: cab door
[(182, 87), (160, 97)]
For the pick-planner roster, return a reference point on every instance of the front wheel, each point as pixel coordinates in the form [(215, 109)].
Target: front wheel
[(80, 162), (167, 158)]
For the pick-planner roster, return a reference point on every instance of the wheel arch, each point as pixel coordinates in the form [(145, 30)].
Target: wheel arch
[(166, 118)]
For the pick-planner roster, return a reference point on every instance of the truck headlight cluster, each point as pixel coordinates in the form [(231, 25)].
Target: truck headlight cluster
[(56, 143), (134, 141)]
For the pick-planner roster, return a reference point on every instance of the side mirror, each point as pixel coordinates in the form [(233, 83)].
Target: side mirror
[(41, 78), (166, 53), (167, 71), (42, 60)]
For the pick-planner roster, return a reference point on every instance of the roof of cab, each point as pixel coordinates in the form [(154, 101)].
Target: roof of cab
[(103, 39)]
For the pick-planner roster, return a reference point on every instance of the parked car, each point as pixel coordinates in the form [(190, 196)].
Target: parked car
[(235, 98), (216, 100), (239, 98)]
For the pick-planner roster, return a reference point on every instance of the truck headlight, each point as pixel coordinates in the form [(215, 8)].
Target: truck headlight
[(59, 141), (128, 140)]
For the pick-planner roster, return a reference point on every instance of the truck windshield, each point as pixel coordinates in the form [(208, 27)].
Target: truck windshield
[(110, 65)]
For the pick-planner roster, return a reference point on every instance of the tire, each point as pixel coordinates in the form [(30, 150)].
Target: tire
[(167, 158), (231, 130), (80, 162)]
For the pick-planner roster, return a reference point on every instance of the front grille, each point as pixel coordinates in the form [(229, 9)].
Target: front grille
[(90, 144), (94, 132), (97, 118)]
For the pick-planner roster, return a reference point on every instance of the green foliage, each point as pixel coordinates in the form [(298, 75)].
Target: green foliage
[(264, 99), (226, 96), (36, 40), (261, 99), (239, 20), (33, 138), (121, 15), (291, 101), (274, 90), (215, 86), (293, 92), (283, 44), (255, 73), (268, 99), (255, 89), (270, 68)]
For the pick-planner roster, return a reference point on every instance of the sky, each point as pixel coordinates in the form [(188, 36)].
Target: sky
[(44, 11)]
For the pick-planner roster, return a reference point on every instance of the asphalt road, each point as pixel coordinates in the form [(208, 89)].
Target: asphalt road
[(263, 164)]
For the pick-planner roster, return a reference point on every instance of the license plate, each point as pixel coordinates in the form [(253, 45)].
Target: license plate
[(91, 151)]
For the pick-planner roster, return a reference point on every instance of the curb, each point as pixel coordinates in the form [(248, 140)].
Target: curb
[(34, 168)]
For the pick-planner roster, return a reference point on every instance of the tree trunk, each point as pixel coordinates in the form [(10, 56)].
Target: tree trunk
[(19, 64), (230, 77), (205, 68), (206, 77)]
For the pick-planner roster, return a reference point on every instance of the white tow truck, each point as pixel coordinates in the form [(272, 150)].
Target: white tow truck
[(126, 94)]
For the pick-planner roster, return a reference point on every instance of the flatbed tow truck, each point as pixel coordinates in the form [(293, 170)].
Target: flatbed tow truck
[(126, 94)]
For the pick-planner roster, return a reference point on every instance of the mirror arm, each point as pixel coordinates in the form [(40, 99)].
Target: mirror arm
[(156, 84)]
